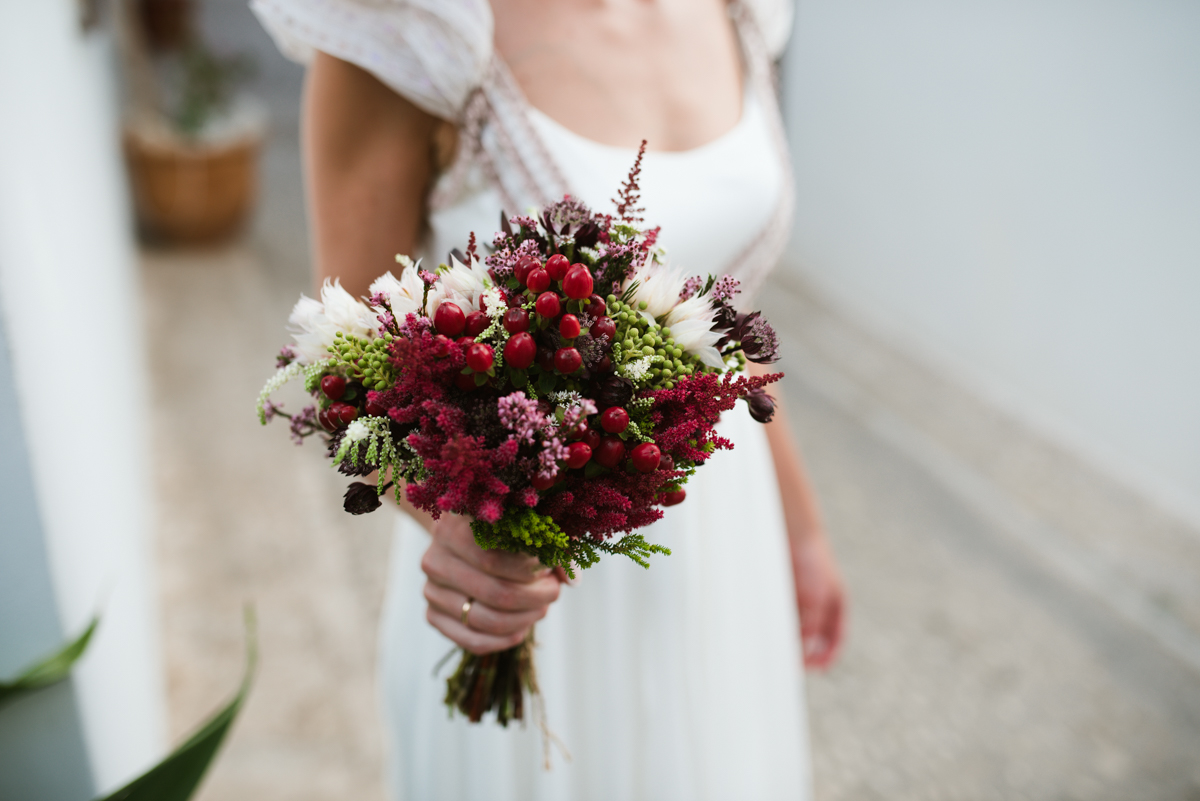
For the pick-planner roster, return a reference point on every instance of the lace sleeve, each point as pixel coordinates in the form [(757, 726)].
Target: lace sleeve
[(434, 52), (774, 20)]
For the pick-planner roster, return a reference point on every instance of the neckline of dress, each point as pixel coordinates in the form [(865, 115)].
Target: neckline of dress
[(537, 115)]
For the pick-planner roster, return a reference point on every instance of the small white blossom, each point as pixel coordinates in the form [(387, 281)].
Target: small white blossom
[(357, 431), (637, 369)]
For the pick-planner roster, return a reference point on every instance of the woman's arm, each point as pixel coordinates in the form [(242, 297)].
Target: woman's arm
[(820, 596), (370, 156)]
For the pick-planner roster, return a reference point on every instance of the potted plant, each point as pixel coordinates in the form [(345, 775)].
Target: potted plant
[(193, 157)]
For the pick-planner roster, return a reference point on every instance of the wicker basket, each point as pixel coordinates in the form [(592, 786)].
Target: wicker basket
[(192, 193)]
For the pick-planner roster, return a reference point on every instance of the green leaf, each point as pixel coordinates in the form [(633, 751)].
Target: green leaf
[(546, 382), (518, 377), (50, 670), (177, 777)]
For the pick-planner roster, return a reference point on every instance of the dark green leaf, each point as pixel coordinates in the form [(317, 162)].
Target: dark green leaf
[(546, 382), (50, 670), (177, 777), (518, 377)]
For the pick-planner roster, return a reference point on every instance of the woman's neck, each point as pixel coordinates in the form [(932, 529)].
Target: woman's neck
[(620, 71)]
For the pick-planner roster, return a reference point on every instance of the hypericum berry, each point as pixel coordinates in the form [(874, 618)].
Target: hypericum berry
[(604, 365), (568, 326), (604, 327), (375, 409), (538, 280), (611, 452), (567, 360), (520, 350), (645, 457), (666, 463), (327, 420), (578, 454), (614, 420), (480, 357), (674, 497), (543, 484), (557, 266), (516, 320), (592, 438), (548, 305), (578, 283), (464, 342), (344, 413), (465, 381), (596, 307), (441, 345), (449, 319), (521, 271), (334, 386), (477, 323)]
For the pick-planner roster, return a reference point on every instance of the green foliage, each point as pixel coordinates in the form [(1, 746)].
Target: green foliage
[(365, 360), (48, 671), (526, 531), (178, 776)]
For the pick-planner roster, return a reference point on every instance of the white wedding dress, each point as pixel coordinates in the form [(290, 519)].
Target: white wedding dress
[(681, 682)]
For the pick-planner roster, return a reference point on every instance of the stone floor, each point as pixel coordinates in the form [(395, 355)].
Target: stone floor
[(1019, 629)]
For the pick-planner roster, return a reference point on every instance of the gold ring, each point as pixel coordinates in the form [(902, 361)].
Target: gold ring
[(466, 608)]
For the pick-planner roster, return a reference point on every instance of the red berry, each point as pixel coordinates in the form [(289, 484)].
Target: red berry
[(557, 266), (611, 452), (538, 280), (548, 305), (645, 457), (326, 420), (578, 454), (480, 357), (465, 342), (449, 319), (376, 409), (592, 438), (441, 346), (673, 497), (520, 350), (477, 322), (465, 381), (604, 365), (568, 326), (578, 283), (540, 483), (545, 358), (604, 327), (344, 413), (334, 386), (666, 463), (614, 420), (521, 271), (516, 320), (596, 307), (567, 360)]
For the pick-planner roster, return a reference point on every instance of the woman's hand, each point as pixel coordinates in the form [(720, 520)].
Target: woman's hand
[(508, 592), (820, 599)]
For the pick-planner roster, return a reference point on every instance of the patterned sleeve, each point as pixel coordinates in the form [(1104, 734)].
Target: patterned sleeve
[(774, 19), (434, 52)]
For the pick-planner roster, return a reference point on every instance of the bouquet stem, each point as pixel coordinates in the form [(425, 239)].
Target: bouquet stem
[(494, 682)]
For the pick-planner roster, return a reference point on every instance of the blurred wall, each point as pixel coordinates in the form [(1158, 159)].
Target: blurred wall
[(1012, 189), (69, 305)]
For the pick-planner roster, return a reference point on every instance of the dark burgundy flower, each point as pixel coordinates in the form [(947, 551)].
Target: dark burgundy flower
[(361, 498), (762, 405), (614, 391)]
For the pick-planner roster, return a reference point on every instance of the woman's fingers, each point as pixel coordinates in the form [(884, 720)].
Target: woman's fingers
[(476, 642), (480, 617), (447, 569), (455, 533)]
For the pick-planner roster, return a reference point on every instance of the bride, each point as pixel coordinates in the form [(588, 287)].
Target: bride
[(424, 119)]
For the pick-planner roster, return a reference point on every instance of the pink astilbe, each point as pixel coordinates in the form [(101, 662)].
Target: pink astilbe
[(520, 415), (684, 417)]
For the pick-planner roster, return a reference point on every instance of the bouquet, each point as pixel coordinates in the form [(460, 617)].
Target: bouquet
[(558, 391)]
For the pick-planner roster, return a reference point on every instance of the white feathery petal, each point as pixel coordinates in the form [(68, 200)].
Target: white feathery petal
[(346, 314), (658, 285), (697, 338), (694, 308), (404, 293), (311, 330)]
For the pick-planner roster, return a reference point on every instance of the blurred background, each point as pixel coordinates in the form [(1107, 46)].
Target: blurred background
[(992, 346)]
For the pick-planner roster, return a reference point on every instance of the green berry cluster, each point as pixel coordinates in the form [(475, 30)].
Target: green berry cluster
[(365, 360), (639, 337)]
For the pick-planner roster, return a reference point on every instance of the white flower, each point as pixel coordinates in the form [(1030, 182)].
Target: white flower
[(659, 286), (691, 325), (357, 431), (315, 324), (461, 285), (637, 369), (405, 293)]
